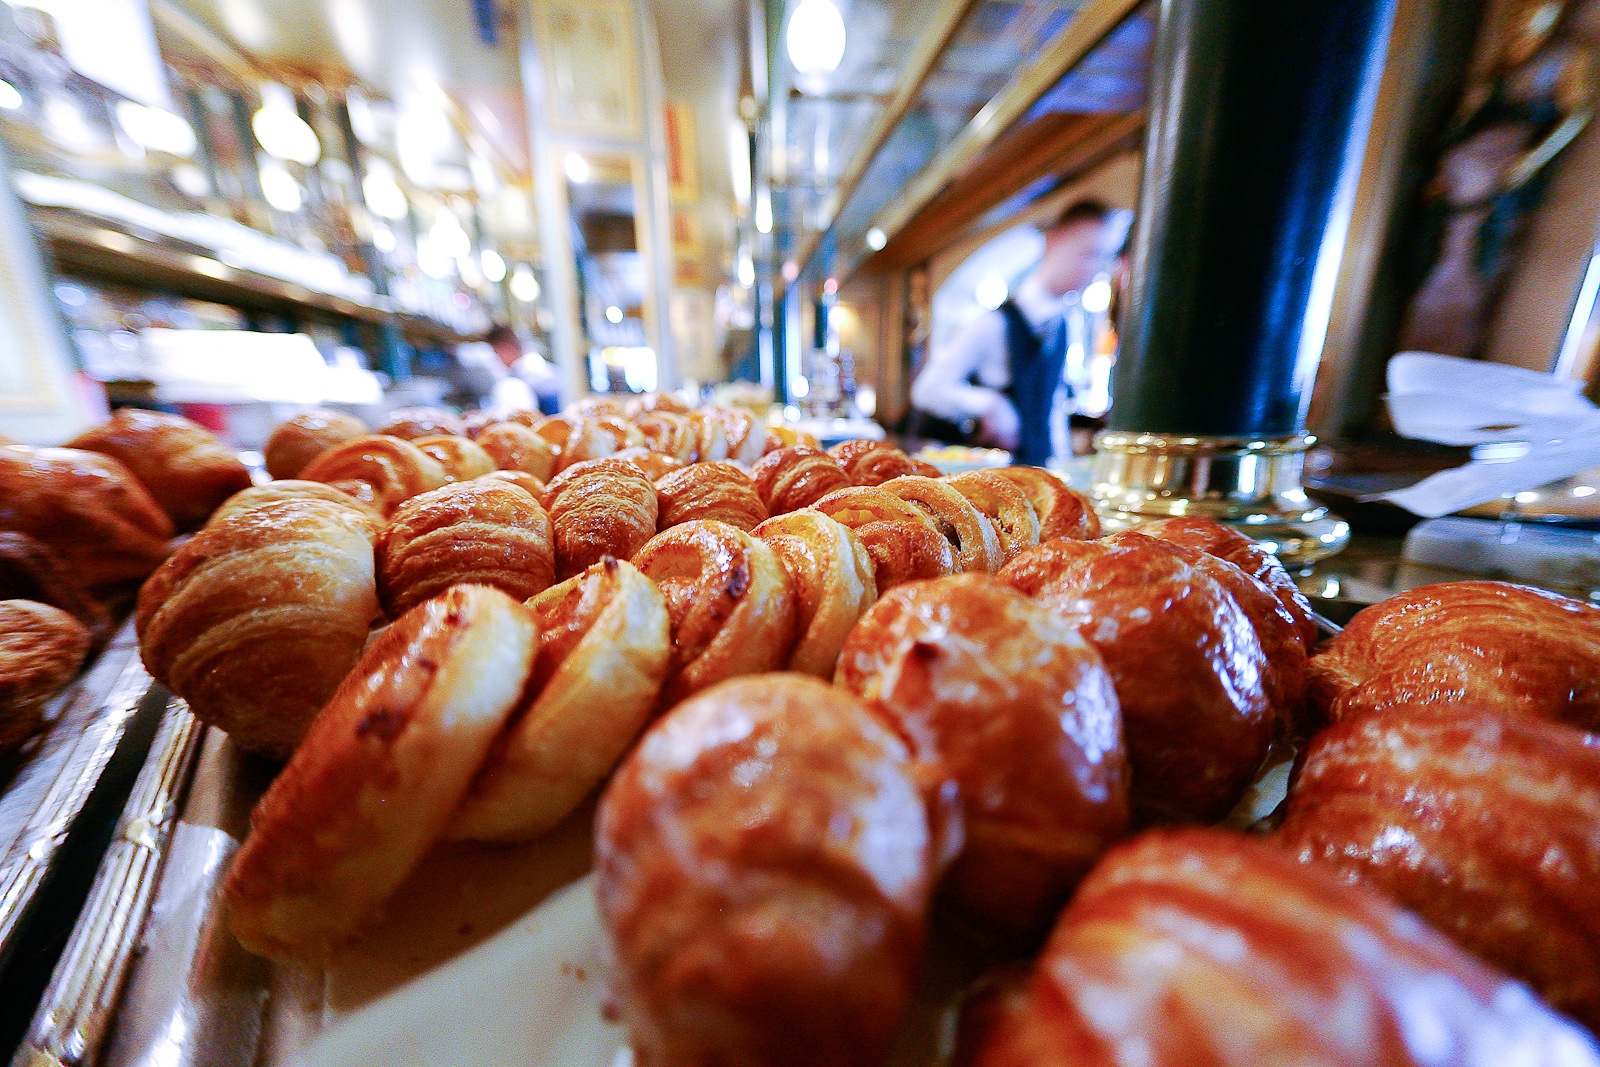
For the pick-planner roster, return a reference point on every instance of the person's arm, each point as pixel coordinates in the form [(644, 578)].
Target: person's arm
[(944, 388)]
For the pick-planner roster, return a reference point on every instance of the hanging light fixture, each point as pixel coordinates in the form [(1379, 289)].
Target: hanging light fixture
[(815, 39), (280, 130)]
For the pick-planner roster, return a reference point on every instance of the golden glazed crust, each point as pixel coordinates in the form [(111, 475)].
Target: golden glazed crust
[(834, 584), (303, 438), (461, 458), (1005, 504), (380, 775), (383, 472), (873, 462), (670, 434), (1062, 510), (513, 446), (410, 423), (796, 477), (257, 618), (29, 570), (904, 543), (41, 649), (291, 489), (718, 491), (968, 530), (183, 467), (600, 508)]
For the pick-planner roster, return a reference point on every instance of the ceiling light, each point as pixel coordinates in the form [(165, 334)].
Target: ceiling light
[(280, 189), (280, 131), (382, 193), (494, 268), (524, 286), (764, 211), (876, 238), (10, 99), (816, 37), (747, 271), (577, 168), (613, 314), (155, 130), (383, 238)]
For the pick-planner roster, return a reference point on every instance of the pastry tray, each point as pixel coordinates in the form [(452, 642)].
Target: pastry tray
[(488, 954)]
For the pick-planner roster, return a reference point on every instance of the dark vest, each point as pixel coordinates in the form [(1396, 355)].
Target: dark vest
[(1035, 364)]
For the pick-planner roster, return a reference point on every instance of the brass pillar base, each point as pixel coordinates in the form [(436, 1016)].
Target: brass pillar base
[(1251, 484)]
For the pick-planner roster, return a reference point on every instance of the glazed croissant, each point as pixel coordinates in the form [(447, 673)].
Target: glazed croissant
[(731, 602), (30, 570), (604, 651), (295, 443), (655, 465), (786, 436), (792, 478), (902, 540), (833, 577), (746, 440), (291, 489), (600, 508), (969, 531), (873, 462), (185, 469), (1062, 510), (670, 434), (257, 618), (1490, 645), (1020, 713), (751, 921), (513, 446), (41, 649), (380, 774), (1005, 505), (718, 491), (462, 458), (411, 423), (575, 439), (383, 472), (711, 437), (483, 532), (1196, 946), (1188, 667), (657, 402), (87, 509), (1488, 827)]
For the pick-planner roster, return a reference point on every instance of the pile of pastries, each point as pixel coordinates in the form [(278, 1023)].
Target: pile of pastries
[(841, 709)]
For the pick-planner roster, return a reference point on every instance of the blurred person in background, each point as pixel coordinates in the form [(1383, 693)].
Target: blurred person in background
[(522, 379), (1004, 370)]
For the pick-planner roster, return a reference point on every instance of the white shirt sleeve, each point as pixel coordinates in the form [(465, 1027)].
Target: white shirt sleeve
[(977, 350), (512, 394)]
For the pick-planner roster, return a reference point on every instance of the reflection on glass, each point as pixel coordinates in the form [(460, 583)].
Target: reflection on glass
[(603, 196)]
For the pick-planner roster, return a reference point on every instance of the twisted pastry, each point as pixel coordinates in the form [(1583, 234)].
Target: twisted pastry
[(297, 442), (604, 651), (592, 407), (873, 462), (257, 618), (904, 543), (411, 423), (41, 649), (670, 434), (1249, 556), (30, 570), (968, 530), (1019, 712), (834, 584), (521, 479), (183, 467), (482, 532), (623, 433), (731, 603), (1491, 645), (1006, 506), (796, 477), (1188, 667), (475, 422), (292, 489), (711, 438), (604, 507), (1062, 510), (718, 491), (787, 436), (1198, 946), (575, 439), (657, 402), (86, 508), (654, 464), (382, 771), (747, 440), (382, 472), (765, 860), (461, 457), (512, 446)]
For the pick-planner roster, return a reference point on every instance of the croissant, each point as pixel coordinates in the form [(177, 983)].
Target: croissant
[(591, 407), (795, 477), (1187, 664), (521, 479), (1249, 556), (604, 651), (718, 491), (1488, 827), (711, 437), (87, 509), (257, 618), (834, 584), (30, 570), (904, 544), (623, 433), (512, 446), (482, 532), (786, 436), (1062, 510), (656, 402), (731, 603), (670, 434), (462, 458), (873, 462), (291, 489), (1489, 645), (185, 469), (381, 472), (1197, 946), (411, 423), (297, 442), (575, 440), (655, 465), (382, 770), (968, 530), (1004, 504), (746, 440), (41, 649), (765, 858), (1019, 712), (599, 508)]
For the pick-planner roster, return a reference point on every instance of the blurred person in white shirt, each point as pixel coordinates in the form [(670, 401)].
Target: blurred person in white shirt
[(523, 379), (1004, 369)]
